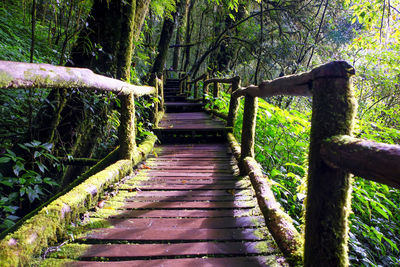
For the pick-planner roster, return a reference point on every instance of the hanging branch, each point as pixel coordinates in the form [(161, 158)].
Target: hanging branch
[(317, 35)]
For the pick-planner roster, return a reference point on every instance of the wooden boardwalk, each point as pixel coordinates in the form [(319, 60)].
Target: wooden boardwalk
[(185, 206)]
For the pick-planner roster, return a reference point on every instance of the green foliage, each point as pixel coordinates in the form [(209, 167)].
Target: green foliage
[(27, 182), (281, 148), (16, 38), (375, 231), (144, 108), (163, 8)]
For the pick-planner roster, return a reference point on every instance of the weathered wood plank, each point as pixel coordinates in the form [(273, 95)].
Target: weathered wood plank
[(189, 223), (196, 193), (182, 213), (189, 198), (192, 187), (171, 250), (157, 173), (176, 234), (181, 181), (253, 261), (189, 205)]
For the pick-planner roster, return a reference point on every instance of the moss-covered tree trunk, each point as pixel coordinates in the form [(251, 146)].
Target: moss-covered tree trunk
[(328, 197), (163, 44), (188, 36), (182, 9), (113, 26)]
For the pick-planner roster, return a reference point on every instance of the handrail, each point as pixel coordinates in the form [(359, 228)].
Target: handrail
[(223, 80), (32, 75), (47, 224), (374, 161), (333, 155), (201, 77)]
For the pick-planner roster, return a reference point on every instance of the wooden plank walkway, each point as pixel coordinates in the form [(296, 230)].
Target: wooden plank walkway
[(185, 206)]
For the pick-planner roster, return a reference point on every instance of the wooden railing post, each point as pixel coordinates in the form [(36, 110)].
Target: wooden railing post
[(185, 85), (215, 90), (233, 103), (160, 90), (126, 130), (248, 129), (195, 90), (328, 197), (205, 87), (153, 81)]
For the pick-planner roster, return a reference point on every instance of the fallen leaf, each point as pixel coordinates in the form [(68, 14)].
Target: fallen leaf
[(135, 189), (100, 204), (231, 191)]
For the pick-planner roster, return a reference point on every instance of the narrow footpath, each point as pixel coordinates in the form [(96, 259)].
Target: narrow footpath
[(185, 206)]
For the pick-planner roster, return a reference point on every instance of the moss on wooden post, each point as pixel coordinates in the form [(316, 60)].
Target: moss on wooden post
[(195, 90), (215, 90), (160, 89), (153, 81), (205, 86), (233, 104), (328, 199), (126, 130), (248, 129)]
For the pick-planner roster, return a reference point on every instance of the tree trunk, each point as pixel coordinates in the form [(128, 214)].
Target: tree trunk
[(181, 19), (114, 26), (163, 45)]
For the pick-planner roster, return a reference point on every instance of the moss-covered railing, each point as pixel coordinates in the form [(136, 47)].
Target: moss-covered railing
[(334, 155), (49, 223)]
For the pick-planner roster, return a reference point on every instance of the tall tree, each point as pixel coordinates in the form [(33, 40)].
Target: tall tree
[(163, 44), (105, 46), (182, 13)]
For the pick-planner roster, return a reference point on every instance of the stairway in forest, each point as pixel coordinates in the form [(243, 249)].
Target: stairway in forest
[(186, 205), (186, 121)]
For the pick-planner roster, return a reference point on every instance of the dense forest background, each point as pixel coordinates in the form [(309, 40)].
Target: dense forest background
[(257, 40)]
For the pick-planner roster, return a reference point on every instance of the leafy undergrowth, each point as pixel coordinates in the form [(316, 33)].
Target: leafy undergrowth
[(281, 147), (15, 36)]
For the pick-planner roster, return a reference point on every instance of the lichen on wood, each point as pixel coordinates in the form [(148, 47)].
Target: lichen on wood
[(32, 75), (51, 223), (126, 129), (278, 222), (328, 197), (233, 103), (236, 150), (367, 159), (248, 128)]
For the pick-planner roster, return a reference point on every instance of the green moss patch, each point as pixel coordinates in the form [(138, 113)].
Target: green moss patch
[(52, 223), (70, 251)]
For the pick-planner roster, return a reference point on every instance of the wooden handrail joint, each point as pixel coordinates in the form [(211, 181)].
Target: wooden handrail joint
[(371, 160)]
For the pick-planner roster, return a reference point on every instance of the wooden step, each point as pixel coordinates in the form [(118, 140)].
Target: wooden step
[(189, 223), (139, 234), (253, 261), (184, 206)]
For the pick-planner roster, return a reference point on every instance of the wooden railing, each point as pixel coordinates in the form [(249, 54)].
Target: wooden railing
[(333, 155), (51, 221), (27, 76)]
